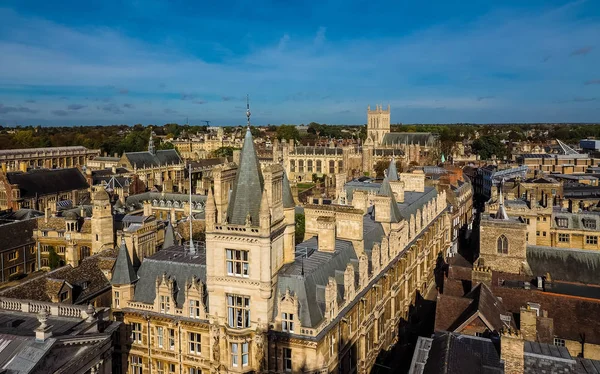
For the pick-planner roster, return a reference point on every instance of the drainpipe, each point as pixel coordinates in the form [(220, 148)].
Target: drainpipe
[(148, 338), (180, 352)]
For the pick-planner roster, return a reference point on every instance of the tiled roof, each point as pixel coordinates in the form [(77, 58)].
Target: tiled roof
[(17, 234), (42, 287), (288, 199), (147, 159), (45, 181)]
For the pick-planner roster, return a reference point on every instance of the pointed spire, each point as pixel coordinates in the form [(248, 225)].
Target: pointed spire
[(169, 236), (123, 272), (392, 171), (501, 214), (248, 186)]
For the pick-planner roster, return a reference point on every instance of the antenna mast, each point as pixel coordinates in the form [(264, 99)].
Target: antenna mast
[(192, 249)]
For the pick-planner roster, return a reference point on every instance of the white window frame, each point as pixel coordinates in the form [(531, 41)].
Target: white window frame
[(195, 343), (237, 262), (238, 311), (287, 322)]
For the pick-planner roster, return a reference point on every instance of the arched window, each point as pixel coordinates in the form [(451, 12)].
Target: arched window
[(502, 244)]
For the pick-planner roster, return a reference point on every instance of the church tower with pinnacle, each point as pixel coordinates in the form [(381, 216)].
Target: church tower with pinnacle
[(378, 123)]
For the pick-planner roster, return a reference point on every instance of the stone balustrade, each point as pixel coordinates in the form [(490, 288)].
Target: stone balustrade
[(54, 309)]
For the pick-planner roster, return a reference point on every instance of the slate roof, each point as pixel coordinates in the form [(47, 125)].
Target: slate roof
[(571, 265), (146, 159), (137, 201), (307, 277), (20, 215), (357, 185), (452, 312), (575, 221), (248, 186), (415, 200), (47, 182), (123, 272), (17, 234), (452, 353), (175, 262), (399, 138)]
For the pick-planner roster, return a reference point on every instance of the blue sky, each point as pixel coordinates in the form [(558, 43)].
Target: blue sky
[(152, 62)]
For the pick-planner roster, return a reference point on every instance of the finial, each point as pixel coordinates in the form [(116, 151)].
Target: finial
[(248, 110)]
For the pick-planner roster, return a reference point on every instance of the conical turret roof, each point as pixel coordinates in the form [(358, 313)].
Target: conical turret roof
[(123, 272), (386, 190), (392, 171), (169, 236), (247, 188)]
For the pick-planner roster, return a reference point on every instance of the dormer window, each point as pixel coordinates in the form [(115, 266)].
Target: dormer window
[(562, 222), (589, 223), (64, 296)]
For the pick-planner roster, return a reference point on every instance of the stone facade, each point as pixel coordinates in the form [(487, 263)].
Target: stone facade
[(46, 158), (503, 245), (248, 301)]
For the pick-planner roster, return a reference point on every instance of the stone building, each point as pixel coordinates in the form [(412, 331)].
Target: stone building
[(76, 235), (46, 158), (85, 284), (154, 167), (253, 300), (17, 248), (201, 147), (302, 162), (40, 189)]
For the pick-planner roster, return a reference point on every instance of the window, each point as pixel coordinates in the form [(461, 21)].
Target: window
[(85, 285), (591, 240), (172, 339), (195, 371), (331, 167), (537, 233), (238, 309), (559, 342), (171, 368), (287, 359), (160, 367), (12, 256), (236, 350), (502, 244), (287, 322), (562, 222), (301, 166), (310, 166), (117, 299), (195, 345), (544, 233), (319, 166), (61, 249), (160, 337), (44, 262), (194, 308), (563, 238), (237, 262), (136, 364), (589, 223), (292, 166), (13, 270), (136, 332), (164, 304), (85, 251), (331, 345), (245, 354), (234, 355), (64, 296)]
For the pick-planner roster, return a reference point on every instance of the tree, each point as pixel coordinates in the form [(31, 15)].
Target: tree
[(287, 132), (489, 145), (380, 168), (54, 259), (222, 152), (300, 227)]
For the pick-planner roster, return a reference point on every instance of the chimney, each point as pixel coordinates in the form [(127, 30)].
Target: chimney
[(529, 323), (46, 214), (511, 351), (326, 238), (116, 154), (483, 275), (23, 166), (114, 169)]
